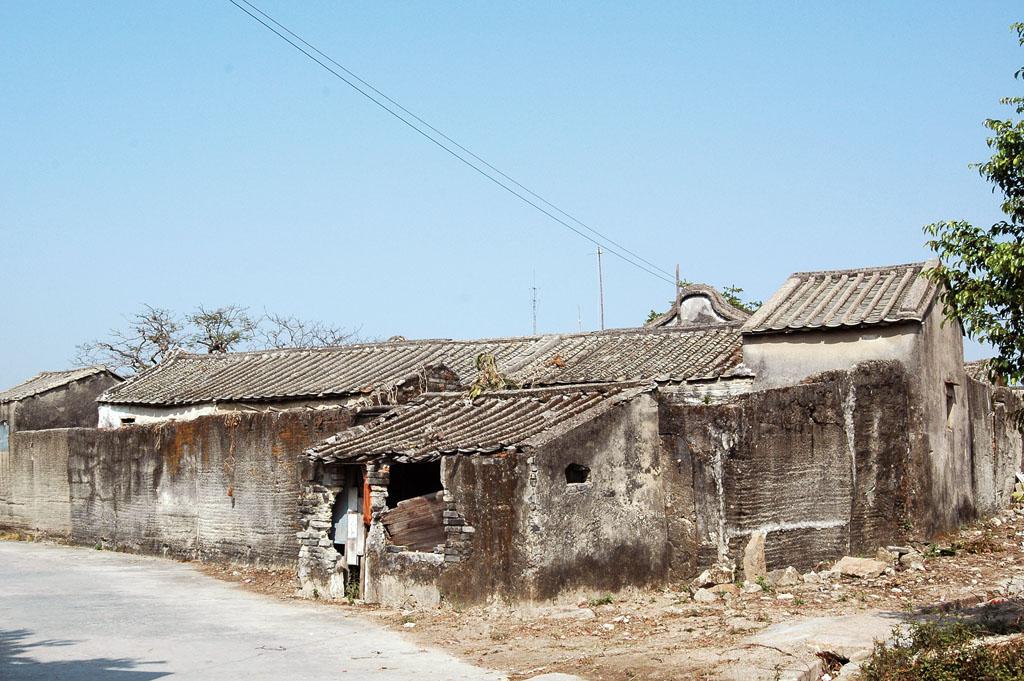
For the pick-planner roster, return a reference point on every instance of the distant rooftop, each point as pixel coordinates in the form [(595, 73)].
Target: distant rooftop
[(670, 354), (49, 380), (846, 298)]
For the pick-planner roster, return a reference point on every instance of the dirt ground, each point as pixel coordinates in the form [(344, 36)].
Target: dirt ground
[(664, 634)]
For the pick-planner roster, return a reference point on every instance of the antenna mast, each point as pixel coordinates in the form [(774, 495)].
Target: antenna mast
[(600, 284), (533, 290)]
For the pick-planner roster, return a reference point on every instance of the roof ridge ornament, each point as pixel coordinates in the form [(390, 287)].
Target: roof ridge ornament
[(699, 305)]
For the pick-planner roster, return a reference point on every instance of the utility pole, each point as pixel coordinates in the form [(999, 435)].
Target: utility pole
[(579, 318), (600, 284), (679, 283), (533, 290)]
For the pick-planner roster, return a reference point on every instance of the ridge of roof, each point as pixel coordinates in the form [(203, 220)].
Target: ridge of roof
[(413, 342), (722, 307)]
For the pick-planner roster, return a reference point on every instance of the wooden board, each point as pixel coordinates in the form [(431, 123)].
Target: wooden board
[(416, 523)]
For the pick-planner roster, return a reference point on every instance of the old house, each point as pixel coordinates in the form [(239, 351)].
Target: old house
[(54, 399), (854, 424), (836, 418), (33, 483)]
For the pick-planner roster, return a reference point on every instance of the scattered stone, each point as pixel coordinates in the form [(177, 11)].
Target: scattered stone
[(788, 577), (409, 625), (995, 522), (608, 626), (899, 550), (704, 596), (861, 568), (811, 578), (742, 624), (752, 588), (1014, 586), (908, 559), (886, 556), (724, 589), (754, 565), (722, 573), (571, 613), (785, 597)]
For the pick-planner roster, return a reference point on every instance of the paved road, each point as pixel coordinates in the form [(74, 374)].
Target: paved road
[(76, 614)]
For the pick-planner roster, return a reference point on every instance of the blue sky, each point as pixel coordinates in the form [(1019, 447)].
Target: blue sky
[(176, 153)]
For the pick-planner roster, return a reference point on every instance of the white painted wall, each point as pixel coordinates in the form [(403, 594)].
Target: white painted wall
[(782, 359)]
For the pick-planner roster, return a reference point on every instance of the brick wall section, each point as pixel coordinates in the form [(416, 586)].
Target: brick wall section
[(217, 488)]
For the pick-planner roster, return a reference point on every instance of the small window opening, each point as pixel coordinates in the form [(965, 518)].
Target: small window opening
[(5, 433), (950, 404), (576, 474), (408, 480), (127, 421)]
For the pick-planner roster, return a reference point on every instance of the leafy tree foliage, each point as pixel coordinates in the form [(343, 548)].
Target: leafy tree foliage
[(982, 268)]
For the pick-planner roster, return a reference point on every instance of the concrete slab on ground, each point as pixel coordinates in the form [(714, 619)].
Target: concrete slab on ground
[(83, 615)]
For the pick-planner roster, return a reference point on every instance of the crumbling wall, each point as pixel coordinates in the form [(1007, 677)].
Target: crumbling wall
[(34, 487), (995, 444), (217, 488), (485, 495), (610, 531), (818, 467)]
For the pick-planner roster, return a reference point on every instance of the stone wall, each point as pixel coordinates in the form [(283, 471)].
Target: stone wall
[(34, 482), (517, 529), (216, 488), (820, 468), (995, 444)]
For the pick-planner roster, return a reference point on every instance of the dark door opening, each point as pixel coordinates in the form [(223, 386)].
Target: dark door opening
[(410, 480), (416, 506)]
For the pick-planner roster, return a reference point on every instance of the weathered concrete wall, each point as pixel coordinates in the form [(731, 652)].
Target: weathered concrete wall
[(70, 406), (215, 488), (34, 482), (943, 496), (612, 530), (517, 530), (781, 359), (995, 444), (819, 467)]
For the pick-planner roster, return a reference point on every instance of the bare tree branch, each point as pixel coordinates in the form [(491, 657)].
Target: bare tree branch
[(150, 336)]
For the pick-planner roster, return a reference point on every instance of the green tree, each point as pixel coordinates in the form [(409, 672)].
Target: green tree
[(982, 268)]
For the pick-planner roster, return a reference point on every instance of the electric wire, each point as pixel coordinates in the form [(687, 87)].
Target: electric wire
[(653, 270), (447, 138)]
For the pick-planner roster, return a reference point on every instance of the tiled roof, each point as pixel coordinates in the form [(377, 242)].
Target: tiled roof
[(846, 298), (445, 423), (979, 369), (48, 380), (621, 355)]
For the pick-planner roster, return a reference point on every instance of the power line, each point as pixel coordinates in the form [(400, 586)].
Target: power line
[(454, 142), (656, 271)]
